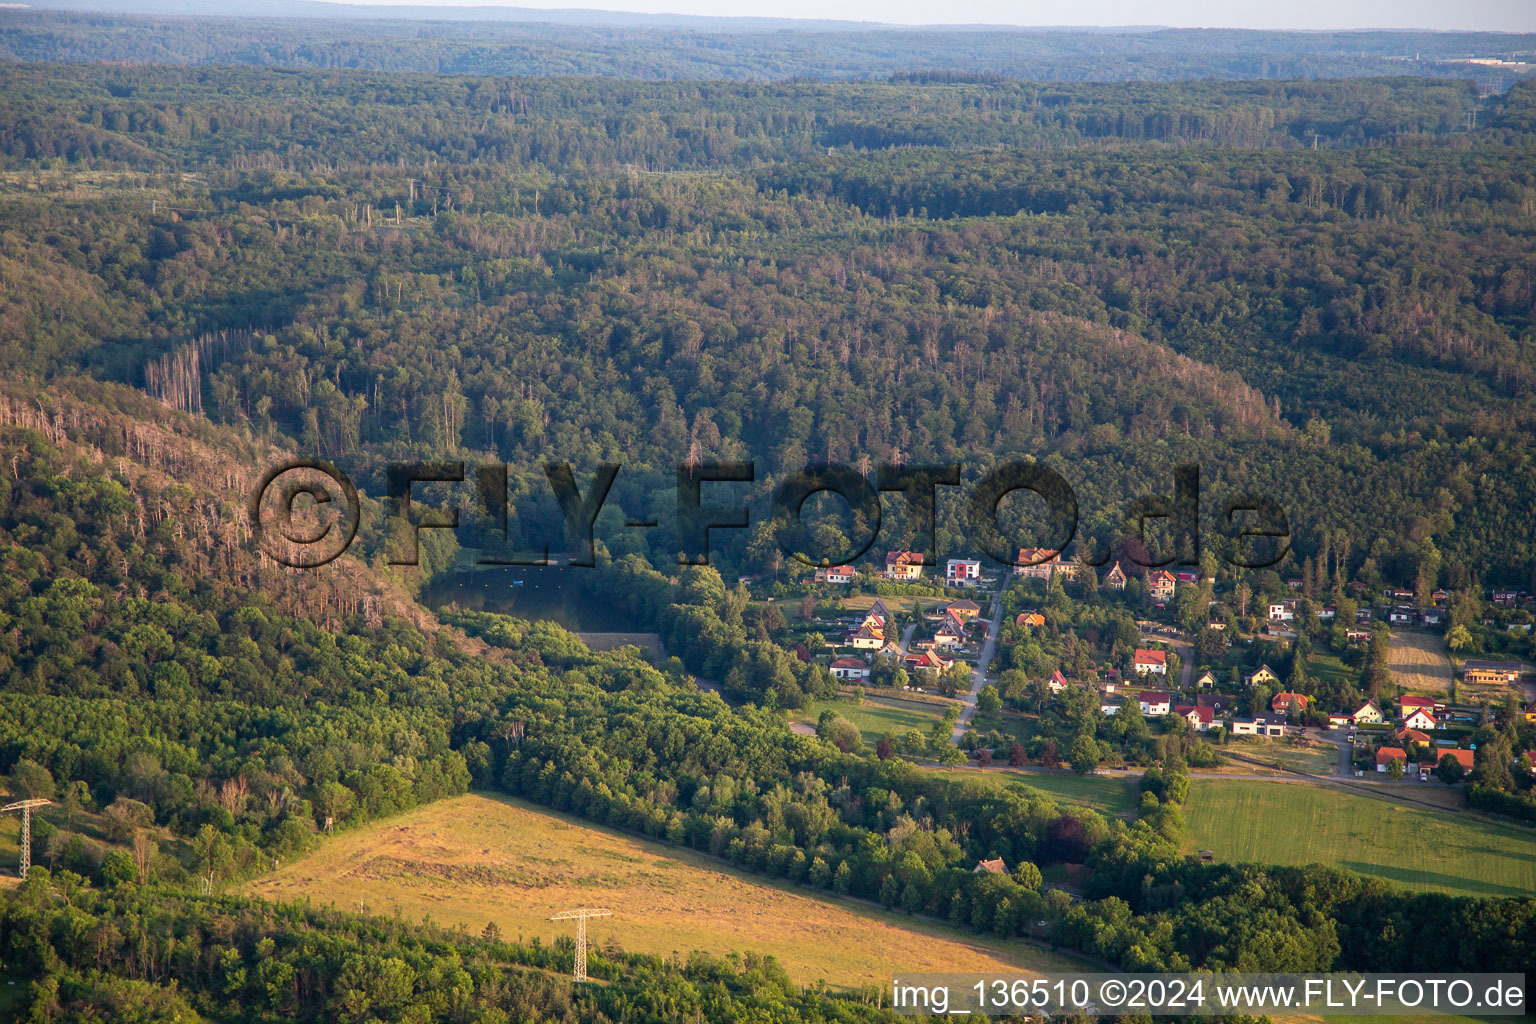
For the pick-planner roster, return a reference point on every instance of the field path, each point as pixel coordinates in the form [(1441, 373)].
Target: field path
[(486, 857), (1418, 662)]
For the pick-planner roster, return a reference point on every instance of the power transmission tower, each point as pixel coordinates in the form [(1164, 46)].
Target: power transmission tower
[(25, 807), (580, 917)]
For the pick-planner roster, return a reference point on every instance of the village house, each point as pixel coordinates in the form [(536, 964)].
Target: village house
[(1338, 719), (1057, 682), (994, 866), (1031, 620), (1155, 703), (1491, 672), (1219, 703), (1465, 758), (1110, 706), (835, 574), (962, 572), (1199, 718), (1285, 702), (1408, 703), (1282, 611), (1115, 578), (1530, 713), (1161, 584), (1408, 736), (1262, 676), (851, 669), (1150, 662), (928, 659), (1366, 714), (1206, 680), (868, 637), (950, 634), (1043, 564), (963, 610), (1386, 755), (906, 566), (1258, 725), (1419, 718)]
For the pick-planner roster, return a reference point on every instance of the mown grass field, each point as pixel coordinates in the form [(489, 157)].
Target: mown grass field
[(874, 717), (1106, 794), (1416, 847), (1315, 759), (483, 857)]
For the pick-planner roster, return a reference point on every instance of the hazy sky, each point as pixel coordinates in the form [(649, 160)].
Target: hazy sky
[(1506, 15)]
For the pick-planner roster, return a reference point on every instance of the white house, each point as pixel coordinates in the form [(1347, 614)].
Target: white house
[(1155, 702), (851, 669), (962, 572), (1259, 725)]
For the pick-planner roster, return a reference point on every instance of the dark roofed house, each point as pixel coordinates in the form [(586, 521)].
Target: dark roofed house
[(994, 866)]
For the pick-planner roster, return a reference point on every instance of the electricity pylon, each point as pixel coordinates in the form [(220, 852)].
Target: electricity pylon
[(25, 807), (580, 917)]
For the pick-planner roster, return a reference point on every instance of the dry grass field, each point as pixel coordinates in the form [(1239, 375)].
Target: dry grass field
[(1418, 662), (484, 857)]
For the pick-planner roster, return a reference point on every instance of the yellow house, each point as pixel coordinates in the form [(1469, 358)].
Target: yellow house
[(1263, 677), (1530, 712), (1366, 714)]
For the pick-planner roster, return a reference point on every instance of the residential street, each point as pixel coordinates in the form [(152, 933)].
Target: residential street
[(979, 671)]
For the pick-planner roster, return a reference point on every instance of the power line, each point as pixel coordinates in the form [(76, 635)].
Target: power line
[(25, 807), (580, 917)]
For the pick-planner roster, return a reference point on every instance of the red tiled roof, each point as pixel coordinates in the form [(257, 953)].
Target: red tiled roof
[(1151, 657), (1387, 754), (1464, 756)]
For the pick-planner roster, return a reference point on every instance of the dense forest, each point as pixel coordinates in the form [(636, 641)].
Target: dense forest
[(512, 42), (1324, 291), (1290, 284)]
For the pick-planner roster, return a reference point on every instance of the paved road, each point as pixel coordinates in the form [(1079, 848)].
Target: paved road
[(979, 672), (1187, 660)]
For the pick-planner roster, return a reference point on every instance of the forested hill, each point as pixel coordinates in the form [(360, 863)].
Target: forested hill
[(1275, 279), (470, 41)]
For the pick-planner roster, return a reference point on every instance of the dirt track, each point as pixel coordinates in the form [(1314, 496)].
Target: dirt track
[(1418, 662)]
